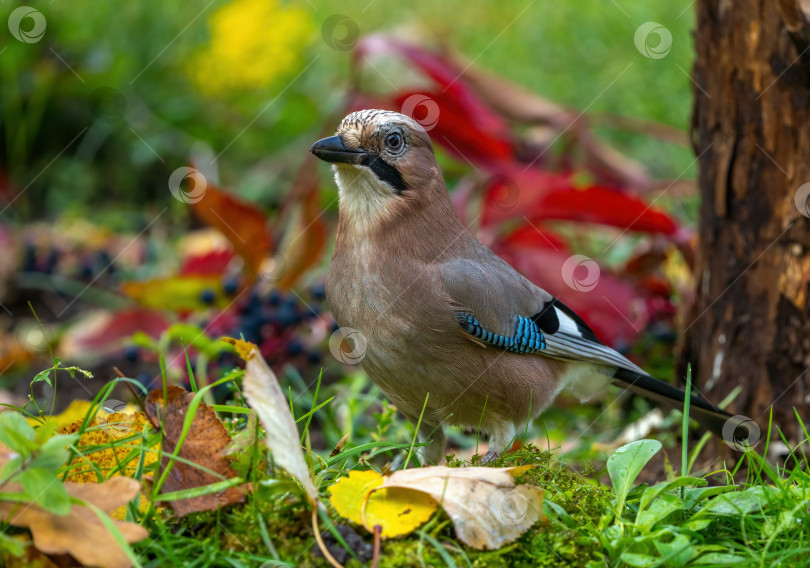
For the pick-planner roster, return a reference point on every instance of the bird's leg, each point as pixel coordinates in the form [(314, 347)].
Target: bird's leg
[(500, 440), (433, 453)]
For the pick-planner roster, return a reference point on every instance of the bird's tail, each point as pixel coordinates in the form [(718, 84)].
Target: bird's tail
[(737, 431)]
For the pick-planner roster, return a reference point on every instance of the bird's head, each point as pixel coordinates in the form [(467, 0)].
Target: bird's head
[(383, 163)]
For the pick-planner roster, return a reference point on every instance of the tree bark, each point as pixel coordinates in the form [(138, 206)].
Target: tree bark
[(750, 324)]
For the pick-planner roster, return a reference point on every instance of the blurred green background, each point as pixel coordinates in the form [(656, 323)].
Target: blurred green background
[(115, 96)]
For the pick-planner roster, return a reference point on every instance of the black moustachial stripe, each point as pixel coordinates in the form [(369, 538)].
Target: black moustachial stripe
[(385, 172)]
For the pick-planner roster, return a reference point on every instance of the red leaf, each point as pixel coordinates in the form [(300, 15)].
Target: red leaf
[(456, 116), (242, 223), (458, 128), (543, 195), (211, 263), (103, 332), (532, 237), (606, 206)]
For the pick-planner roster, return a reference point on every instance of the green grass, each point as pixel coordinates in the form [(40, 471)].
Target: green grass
[(691, 519)]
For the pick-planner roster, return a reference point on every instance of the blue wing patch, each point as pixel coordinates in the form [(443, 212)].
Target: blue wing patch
[(526, 337)]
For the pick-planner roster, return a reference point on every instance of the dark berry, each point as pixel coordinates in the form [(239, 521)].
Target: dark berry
[(106, 262), (145, 379), (131, 353), (318, 292), (287, 316), (230, 286), (30, 259), (312, 311), (252, 304), (274, 298), (314, 357), (294, 347), (663, 332), (208, 296), (52, 262)]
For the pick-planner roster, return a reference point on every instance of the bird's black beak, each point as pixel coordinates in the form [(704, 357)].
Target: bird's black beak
[(333, 151)]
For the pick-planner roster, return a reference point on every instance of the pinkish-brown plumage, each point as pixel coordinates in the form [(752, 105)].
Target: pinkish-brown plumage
[(405, 273)]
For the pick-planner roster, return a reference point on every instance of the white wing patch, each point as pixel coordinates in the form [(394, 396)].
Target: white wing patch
[(567, 325), (569, 343)]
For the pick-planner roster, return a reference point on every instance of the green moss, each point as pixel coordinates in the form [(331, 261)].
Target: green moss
[(575, 502), (236, 528)]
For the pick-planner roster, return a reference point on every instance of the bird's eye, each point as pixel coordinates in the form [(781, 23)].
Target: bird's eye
[(394, 141)]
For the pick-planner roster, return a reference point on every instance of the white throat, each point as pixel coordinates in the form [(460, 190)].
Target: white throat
[(364, 199)]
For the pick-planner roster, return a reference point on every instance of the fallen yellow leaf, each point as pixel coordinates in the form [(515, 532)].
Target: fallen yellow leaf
[(76, 410), (108, 430), (176, 292), (398, 511), (349, 493), (487, 509)]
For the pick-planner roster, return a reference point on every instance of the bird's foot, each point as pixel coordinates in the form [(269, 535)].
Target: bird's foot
[(490, 456)]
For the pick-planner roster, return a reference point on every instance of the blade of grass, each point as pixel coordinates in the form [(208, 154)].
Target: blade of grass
[(685, 425), (416, 432), (314, 404)]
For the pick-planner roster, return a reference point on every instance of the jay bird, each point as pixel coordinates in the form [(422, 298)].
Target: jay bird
[(454, 335)]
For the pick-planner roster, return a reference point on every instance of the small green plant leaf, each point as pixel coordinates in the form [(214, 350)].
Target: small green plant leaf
[(740, 502), (44, 489), (53, 454), (16, 433), (696, 524), (719, 558), (676, 552), (43, 376), (694, 496), (11, 545), (44, 431), (626, 463), (639, 560), (658, 510), (140, 339), (651, 493), (10, 468)]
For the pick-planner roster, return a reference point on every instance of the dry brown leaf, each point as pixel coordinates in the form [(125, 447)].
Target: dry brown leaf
[(80, 533), (261, 390), (204, 444), (486, 507)]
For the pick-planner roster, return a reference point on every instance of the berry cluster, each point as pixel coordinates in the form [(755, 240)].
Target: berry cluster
[(288, 328)]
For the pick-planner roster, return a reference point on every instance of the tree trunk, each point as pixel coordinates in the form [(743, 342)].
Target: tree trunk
[(751, 131)]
